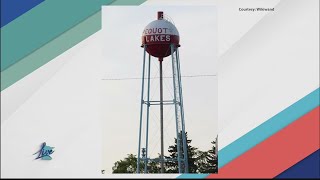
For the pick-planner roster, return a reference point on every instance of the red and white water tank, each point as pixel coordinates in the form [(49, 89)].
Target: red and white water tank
[(159, 35)]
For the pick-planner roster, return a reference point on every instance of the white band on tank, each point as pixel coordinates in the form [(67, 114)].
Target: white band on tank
[(160, 27)]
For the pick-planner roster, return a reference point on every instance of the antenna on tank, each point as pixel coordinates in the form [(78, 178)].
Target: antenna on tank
[(160, 15)]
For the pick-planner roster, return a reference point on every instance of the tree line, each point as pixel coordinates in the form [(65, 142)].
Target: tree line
[(198, 161)]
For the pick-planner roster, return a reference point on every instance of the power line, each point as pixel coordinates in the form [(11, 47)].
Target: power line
[(135, 78)]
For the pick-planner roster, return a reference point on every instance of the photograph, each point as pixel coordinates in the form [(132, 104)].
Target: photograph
[(159, 90)]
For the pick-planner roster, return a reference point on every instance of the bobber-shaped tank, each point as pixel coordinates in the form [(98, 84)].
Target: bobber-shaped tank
[(159, 35)]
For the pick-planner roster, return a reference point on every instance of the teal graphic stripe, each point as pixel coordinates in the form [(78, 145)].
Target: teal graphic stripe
[(192, 176), (127, 2), (51, 50), (268, 128), (40, 25), (11, 73)]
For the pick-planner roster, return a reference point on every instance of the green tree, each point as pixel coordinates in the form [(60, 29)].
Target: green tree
[(212, 159), (129, 165), (198, 161), (154, 167), (172, 166), (207, 161), (202, 162)]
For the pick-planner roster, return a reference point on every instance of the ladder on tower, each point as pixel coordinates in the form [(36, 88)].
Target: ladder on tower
[(177, 103)]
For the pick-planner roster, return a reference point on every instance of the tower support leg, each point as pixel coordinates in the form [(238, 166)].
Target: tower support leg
[(184, 139), (147, 125), (174, 76), (141, 108)]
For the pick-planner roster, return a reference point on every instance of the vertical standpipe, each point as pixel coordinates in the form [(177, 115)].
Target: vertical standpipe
[(160, 16), (161, 117)]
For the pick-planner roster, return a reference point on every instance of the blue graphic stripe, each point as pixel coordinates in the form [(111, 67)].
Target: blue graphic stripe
[(306, 168), (11, 9)]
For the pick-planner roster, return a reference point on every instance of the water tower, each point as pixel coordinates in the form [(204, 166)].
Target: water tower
[(160, 39)]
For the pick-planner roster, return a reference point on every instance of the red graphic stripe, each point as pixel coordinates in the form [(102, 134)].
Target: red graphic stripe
[(277, 153)]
